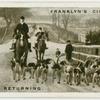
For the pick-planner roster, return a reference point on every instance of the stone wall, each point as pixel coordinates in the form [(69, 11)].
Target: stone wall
[(81, 52)]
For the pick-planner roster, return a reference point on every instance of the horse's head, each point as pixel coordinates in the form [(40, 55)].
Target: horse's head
[(44, 36), (21, 40)]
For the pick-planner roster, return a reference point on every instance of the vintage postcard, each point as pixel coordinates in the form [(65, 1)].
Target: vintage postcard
[(49, 49)]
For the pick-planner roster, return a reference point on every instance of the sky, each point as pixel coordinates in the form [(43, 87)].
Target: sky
[(44, 14)]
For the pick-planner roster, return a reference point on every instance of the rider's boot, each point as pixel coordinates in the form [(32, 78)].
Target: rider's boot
[(13, 46), (35, 46), (46, 47), (29, 45)]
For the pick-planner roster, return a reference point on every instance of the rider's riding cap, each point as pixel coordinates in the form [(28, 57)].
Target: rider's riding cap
[(40, 28), (68, 41), (22, 17)]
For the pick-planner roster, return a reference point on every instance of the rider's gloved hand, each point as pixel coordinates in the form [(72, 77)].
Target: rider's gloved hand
[(47, 39)]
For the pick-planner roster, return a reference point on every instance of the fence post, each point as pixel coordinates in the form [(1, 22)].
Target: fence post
[(96, 51)]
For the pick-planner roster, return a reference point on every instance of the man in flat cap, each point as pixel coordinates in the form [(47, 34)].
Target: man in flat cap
[(21, 28), (68, 50)]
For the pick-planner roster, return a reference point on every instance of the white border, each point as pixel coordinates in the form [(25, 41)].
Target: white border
[(53, 94), (49, 3)]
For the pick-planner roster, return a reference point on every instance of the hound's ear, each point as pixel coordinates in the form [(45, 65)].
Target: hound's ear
[(11, 61)]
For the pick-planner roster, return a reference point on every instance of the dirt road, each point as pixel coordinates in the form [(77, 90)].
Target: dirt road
[(7, 84)]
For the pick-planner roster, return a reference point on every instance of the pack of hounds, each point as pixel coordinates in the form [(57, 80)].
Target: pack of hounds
[(73, 72)]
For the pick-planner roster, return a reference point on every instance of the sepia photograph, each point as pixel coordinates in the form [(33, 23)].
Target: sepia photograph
[(50, 49)]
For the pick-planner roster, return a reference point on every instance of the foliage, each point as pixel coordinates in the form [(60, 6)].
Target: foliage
[(93, 37), (11, 16)]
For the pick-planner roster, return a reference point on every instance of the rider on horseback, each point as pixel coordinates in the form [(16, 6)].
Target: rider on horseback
[(39, 36), (21, 28)]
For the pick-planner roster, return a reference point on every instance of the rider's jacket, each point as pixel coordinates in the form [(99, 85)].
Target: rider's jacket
[(39, 35), (21, 29)]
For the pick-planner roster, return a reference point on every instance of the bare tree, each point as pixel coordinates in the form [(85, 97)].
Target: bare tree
[(65, 20), (11, 15), (91, 23), (54, 19)]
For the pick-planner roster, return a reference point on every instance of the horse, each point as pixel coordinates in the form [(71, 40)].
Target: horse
[(41, 49), (21, 51), (40, 46)]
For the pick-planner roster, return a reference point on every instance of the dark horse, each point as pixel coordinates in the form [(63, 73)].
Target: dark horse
[(41, 47), (21, 50)]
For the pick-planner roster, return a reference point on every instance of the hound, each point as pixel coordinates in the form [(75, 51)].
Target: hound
[(78, 74), (69, 73), (16, 68), (31, 68)]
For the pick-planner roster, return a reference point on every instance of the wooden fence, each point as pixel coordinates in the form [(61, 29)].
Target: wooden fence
[(81, 52)]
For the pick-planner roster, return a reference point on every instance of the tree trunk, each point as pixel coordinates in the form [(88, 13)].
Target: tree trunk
[(6, 30), (2, 40)]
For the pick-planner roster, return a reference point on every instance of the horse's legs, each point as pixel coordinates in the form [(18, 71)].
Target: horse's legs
[(25, 60), (43, 52), (74, 78), (54, 76), (36, 54), (46, 77), (70, 79), (14, 76), (67, 78), (40, 56), (94, 79), (14, 53), (37, 75), (19, 74), (24, 73), (86, 79), (43, 76), (59, 75), (32, 73)]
